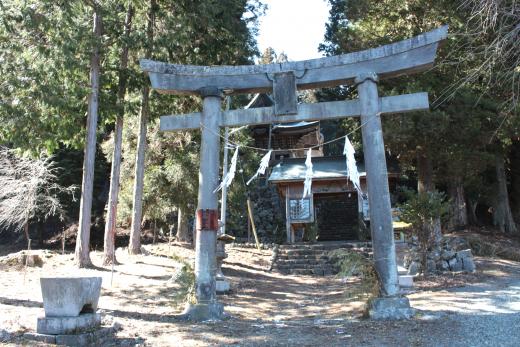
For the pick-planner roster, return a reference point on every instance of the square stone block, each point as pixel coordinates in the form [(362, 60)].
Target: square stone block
[(401, 270), (222, 285), (406, 281), (68, 325)]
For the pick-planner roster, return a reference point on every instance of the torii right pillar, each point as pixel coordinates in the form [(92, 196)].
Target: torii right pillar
[(389, 304)]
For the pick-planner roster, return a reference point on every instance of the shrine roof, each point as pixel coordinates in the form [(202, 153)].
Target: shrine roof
[(293, 125), (323, 168)]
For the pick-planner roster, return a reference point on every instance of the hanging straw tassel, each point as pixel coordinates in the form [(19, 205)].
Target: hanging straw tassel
[(352, 170), (226, 181), (264, 163), (307, 185)]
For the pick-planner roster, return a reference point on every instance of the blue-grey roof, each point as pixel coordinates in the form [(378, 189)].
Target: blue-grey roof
[(323, 168), (290, 125)]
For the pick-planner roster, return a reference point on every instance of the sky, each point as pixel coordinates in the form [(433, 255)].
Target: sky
[(295, 27)]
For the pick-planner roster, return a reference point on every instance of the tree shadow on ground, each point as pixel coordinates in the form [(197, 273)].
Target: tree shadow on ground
[(18, 302)]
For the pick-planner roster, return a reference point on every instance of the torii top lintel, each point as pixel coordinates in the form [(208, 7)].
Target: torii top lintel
[(404, 57)]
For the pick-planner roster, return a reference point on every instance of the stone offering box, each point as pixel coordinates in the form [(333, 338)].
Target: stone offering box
[(70, 296)]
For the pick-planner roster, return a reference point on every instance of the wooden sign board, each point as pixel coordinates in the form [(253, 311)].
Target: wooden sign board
[(284, 93)]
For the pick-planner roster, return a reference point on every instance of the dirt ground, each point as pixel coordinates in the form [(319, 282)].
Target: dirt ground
[(269, 309)]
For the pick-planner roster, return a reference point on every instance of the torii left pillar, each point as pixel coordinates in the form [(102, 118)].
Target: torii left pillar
[(206, 305)]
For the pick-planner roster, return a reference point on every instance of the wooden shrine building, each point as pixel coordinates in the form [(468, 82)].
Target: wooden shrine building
[(335, 209)]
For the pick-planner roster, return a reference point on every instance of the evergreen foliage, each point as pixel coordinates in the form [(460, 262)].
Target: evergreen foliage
[(45, 49), (421, 210), (467, 125)]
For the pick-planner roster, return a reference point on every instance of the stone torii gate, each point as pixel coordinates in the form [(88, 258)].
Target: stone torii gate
[(364, 69)]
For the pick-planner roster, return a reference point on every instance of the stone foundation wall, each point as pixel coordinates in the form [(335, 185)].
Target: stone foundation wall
[(268, 213), (451, 254)]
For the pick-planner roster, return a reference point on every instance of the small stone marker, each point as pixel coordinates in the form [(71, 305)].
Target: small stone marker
[(406, 281), (222, 285)]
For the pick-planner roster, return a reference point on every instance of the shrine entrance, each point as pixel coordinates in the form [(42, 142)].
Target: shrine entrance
[(337, 216), (363, 70)]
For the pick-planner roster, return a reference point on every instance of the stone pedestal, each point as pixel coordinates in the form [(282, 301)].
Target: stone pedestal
[(68, 325), (390, 308), (100, 337)]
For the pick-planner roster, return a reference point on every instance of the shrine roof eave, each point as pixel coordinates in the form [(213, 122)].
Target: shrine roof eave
[(404, 57), (324, 169)]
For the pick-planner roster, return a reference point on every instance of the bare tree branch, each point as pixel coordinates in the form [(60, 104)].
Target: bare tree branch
[(492, 48), (29, 189)]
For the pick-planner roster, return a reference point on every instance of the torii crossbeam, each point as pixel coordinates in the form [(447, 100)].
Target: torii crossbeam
[(363, 69)]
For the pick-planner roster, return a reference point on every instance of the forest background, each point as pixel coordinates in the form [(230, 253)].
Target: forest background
[(68, 67)]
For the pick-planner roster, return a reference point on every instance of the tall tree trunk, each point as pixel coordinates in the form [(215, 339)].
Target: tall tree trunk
[(137, 212), (26, 230), (424, 173), (183, 233), (514, 159), (82, 253), (135, 234), (459, 212), (472, 212), (425, 184), (502, 217), (110, 226), (40, 228)]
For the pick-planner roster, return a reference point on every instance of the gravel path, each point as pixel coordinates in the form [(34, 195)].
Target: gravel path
[(481, 314)]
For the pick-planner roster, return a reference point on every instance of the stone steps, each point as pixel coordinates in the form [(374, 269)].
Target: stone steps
[(312, 258)]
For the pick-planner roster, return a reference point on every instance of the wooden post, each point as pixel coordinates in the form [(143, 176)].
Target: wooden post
[(377, 184), (287, 215), (26, 259), (250, 212), (248, 229), (223, 203), (62, 240)]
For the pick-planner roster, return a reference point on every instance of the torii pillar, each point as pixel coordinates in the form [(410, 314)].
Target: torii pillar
[(207, 211)]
